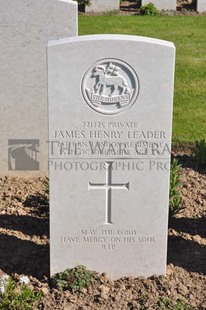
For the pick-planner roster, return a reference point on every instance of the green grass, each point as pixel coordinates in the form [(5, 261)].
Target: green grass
[(189, 36)]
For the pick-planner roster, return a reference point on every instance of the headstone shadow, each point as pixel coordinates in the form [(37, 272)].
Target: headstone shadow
[(187, 254), (39, 204), (23, 257), (28, 225), (188, 161), (192, 226)]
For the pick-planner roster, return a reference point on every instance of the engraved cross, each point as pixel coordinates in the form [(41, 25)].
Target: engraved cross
[(108, 186)]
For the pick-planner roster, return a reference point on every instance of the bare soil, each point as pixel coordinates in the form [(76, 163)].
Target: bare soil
[(24, 248)]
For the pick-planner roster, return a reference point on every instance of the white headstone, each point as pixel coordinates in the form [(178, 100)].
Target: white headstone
[(26, 27), (103, 6), (162, 4), (201, 6), (110, 119)]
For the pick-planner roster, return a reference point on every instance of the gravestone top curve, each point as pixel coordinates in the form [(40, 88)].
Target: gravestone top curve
[(117, 37)]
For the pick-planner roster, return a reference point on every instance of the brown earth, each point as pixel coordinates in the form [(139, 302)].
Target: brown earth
[(24, 248)]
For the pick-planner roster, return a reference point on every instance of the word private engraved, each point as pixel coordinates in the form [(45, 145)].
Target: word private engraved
[(110, 86), (108, 186)]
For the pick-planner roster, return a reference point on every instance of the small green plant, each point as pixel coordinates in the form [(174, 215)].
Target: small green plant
[(200, 152), (74, 279), (149, 9), (175, 200), (168, 304), (18, 297)]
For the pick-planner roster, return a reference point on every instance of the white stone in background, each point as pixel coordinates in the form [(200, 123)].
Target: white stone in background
[(3, 280), (109, 208), (26, 27), (103, 6), (162, 4), (201, 6), (24, 279)]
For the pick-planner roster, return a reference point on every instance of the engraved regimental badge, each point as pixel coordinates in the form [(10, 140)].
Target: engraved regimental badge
[(110, 86)]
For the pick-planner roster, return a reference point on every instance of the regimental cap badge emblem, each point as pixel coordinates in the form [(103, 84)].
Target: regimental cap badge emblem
[(110, 86)]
